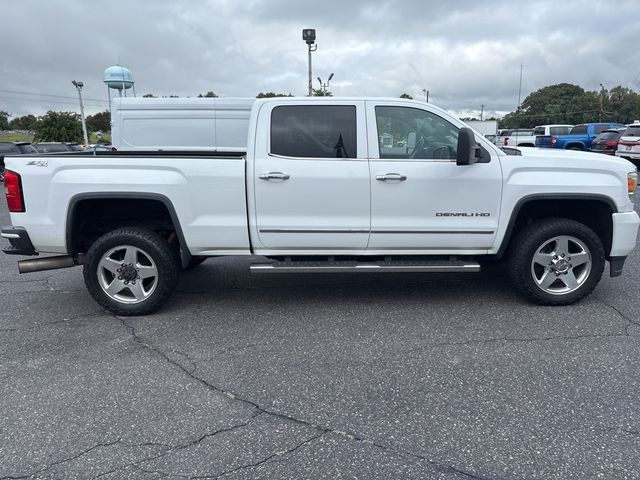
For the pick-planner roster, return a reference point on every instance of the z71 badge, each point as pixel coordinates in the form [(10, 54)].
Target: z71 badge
[(39, 163)]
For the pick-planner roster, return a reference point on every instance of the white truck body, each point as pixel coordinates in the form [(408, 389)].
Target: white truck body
[(180, 124), (303, 190)]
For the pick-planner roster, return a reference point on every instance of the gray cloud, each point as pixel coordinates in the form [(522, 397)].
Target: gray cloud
[(466, 53)]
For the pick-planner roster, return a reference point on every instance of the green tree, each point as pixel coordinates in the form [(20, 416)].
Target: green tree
[(560, 103), (59, 127), (100, 121), (148, 95), (407, 96), (320, 92), (209, 94), (272, 95), (620, 104), (26, 122), (4, 120)]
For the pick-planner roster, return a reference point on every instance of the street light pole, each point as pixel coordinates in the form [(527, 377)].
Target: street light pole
[(309, 36), (325, 86), (79, 86)]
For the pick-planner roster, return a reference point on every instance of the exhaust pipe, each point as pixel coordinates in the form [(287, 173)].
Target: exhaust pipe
[(47, 263)]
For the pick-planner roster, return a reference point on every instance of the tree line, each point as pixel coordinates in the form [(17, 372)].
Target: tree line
[(562, 103), (565, 103), (56, 126)]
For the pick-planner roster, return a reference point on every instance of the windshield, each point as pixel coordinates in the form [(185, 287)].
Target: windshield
[(632, 132)]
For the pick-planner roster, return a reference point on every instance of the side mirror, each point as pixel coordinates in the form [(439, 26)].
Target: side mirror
[(468, 149)]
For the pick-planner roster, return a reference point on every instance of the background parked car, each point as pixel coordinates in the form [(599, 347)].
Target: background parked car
[(520, 137), (98, 148), (629, 144), (56, 147), (607, 141), (13, 148)]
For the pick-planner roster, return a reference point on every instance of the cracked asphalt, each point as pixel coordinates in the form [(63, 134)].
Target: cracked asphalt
[(342, 377)]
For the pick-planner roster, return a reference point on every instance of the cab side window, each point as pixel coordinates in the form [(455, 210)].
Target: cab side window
[(314, 131), (411, 133)]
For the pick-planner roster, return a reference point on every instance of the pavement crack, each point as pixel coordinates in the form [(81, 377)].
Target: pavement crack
[(322, 430), (279, 453), (215, 388), (63, 461), (619, 312)]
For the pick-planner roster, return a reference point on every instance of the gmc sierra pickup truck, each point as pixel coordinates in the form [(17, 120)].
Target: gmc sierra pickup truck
[(326, 185)]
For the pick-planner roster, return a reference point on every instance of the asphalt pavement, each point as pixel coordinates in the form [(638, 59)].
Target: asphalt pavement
[(318, 376)]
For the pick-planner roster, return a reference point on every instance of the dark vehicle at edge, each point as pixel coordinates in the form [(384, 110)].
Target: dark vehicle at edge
[(607, 141)]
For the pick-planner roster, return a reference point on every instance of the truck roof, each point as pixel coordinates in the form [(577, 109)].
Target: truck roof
[(203, 103)]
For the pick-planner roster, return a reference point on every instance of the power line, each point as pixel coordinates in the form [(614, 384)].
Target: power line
[(48, 95), (49, 101)]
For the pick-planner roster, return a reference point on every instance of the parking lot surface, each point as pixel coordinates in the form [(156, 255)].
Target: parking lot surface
[(325, 376)]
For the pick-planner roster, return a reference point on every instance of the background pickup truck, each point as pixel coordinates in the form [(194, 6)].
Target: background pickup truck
[(326, 185), (579, 138)]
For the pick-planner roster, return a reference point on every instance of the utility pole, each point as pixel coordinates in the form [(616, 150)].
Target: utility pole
[(79, 86), (601, 107), (309, 36), (426, 95), (481, 111)]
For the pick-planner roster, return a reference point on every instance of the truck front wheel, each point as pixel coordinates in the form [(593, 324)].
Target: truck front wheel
[(556, 261), (130, 271)]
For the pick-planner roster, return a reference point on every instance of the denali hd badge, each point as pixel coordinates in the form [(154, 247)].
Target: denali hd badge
[(463, 214)]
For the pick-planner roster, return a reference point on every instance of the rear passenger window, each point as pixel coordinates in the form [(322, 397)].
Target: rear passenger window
[(314, 131)]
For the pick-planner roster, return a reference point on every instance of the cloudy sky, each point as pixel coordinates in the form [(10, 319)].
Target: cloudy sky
[(466, 53)]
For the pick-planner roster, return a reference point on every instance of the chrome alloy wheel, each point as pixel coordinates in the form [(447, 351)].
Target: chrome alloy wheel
[(561, 265), (127, 274)]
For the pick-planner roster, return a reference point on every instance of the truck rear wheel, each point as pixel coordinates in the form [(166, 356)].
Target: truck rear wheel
[(556, 261), (130, 271)]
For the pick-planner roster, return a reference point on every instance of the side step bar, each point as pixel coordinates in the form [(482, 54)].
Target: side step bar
[(441, 266)]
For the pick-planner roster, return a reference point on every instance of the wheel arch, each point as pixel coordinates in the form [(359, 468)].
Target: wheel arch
[(575, 146), (590, 209), (77, 228)]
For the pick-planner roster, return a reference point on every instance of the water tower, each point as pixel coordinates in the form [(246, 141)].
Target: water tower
[(119, 78)]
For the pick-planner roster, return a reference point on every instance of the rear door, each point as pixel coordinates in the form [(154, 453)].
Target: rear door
[(420, 198), (311, 176)]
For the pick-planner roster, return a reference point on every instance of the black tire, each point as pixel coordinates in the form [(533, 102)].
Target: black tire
[(533, 262), (131, 271)]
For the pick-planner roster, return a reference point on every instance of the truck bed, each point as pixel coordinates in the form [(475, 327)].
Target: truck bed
[(207, 192)]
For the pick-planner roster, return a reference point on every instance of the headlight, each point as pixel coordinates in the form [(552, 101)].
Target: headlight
[(632, 183)]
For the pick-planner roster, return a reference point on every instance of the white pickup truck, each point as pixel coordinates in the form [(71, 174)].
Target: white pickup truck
[(326, 185)]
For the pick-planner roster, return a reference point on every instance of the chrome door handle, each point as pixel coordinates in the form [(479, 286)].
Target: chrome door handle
[(274, 176), (391, 176)]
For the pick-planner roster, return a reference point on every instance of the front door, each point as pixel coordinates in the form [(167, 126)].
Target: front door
[(311, 177), (420, 199)]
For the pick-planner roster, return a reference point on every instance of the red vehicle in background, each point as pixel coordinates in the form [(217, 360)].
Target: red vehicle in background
[(607, 141)]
